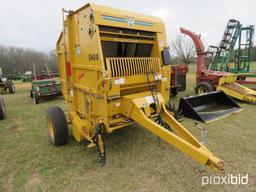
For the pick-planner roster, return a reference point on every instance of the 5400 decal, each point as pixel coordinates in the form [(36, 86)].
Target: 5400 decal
[(94, 57)]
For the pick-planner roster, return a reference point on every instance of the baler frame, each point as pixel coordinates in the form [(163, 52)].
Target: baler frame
[(114, 70)]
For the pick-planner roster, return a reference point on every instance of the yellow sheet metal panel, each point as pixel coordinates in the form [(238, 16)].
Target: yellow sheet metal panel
[(120, 18), (93, 32), (81, 129), (230, 87)]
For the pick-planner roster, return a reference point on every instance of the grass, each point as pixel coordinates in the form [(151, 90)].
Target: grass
[(253, 66), (136, 160)]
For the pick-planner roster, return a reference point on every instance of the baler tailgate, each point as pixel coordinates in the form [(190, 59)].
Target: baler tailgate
[(180, 138)]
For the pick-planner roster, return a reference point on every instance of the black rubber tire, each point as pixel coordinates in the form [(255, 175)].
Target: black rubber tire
[(59, 124), (2, 108), (31, 94), (35, 100), (207, 87), (173, 92), (11, 88), (241, 78)]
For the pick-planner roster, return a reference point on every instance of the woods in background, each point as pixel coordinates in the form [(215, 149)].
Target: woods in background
[(184, 50), (14, 60)]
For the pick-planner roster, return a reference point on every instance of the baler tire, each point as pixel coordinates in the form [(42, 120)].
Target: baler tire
[(241, 78), (2, 108), (205, 86), (57, 126)]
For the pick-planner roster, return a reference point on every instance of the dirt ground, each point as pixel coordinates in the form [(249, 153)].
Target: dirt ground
[(19, 85)]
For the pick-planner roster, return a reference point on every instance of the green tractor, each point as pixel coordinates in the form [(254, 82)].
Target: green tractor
[(27, 76), (226, 57), (44, 85)]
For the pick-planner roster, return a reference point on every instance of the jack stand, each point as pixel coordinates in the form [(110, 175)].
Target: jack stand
[(203, 138)]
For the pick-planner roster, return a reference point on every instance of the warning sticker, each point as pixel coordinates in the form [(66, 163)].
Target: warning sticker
[(164, 79), (119, 81), (158, 77), (149, 99), (78, 50)]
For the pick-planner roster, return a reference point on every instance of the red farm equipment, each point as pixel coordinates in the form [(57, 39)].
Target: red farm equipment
[(178, 79), (208, 80)]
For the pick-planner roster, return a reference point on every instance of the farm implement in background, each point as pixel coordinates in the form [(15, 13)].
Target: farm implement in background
[(6, 85), (234, 53), (208, 80), (44, 85)]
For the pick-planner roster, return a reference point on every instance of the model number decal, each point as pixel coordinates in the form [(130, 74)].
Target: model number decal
[(93, 57)]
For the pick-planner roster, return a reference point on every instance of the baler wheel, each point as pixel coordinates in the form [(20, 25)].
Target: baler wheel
[(57, 125), (203, 87), (2, 108)]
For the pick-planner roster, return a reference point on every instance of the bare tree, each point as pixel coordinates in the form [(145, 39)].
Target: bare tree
[(14, 60), (184, 49)]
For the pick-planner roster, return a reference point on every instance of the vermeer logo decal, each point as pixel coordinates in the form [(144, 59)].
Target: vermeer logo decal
[(130, 22)]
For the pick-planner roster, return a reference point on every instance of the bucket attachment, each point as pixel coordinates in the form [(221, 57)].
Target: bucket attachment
[(208, 107)]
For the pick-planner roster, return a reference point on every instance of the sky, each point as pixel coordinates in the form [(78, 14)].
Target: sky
[(36, 24)]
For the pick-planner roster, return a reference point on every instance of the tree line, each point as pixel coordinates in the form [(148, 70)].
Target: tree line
[(15, 60)]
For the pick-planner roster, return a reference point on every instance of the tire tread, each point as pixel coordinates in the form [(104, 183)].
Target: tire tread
[(60, 125)]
